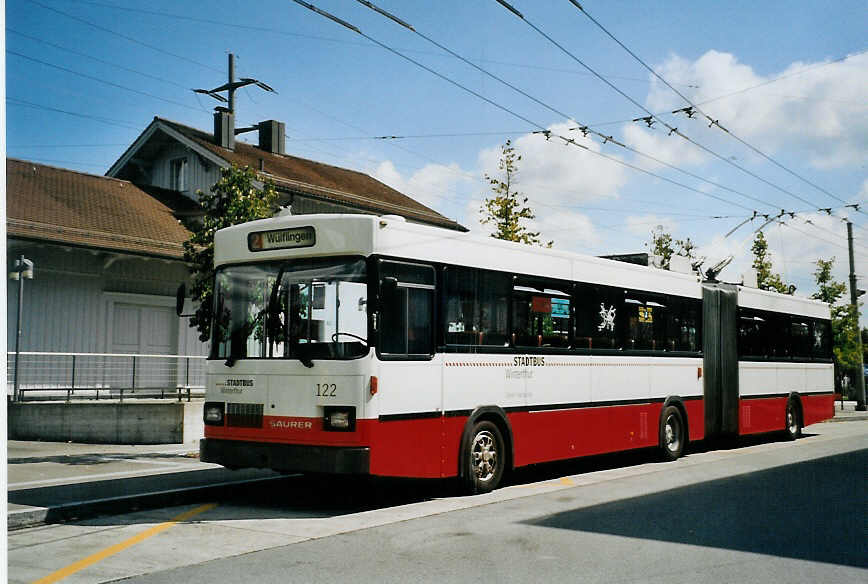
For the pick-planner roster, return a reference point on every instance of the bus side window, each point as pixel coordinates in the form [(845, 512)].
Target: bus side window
[(599, 313), (476, 304), (540, 313), (646, 321), (461, 306), (822, 339), (406, 309), (752, 334), (683, 325), (800, 335)]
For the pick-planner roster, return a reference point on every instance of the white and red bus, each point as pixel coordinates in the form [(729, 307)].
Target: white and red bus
[(363, 344)]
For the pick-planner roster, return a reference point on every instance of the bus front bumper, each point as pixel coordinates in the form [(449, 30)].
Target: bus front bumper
[(285, 457)]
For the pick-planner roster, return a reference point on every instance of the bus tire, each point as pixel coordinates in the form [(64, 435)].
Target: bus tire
[(485, 459), (793, 421), (672, 433)]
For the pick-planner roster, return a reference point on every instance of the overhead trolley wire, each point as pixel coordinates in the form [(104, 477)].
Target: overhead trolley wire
[(109, 121), (781, 77), (583, 128), (98, 80), (567, 141), (123, 36), (711, 120), (97, 59), (655, 117)]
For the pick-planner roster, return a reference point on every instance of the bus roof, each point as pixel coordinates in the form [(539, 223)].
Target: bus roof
[(321, 235)]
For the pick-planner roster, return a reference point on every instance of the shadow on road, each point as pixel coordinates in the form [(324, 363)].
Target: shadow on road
[(813, 510)]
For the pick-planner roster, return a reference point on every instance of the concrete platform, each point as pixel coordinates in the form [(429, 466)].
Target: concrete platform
[(56, 481)]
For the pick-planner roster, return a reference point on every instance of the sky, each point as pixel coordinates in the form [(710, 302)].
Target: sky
[(785, 82)]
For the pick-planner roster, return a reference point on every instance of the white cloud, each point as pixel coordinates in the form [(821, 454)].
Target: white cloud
[(440, 187), (671, 150), (554, 173), (821, 113), (570, 231), (558, 179)]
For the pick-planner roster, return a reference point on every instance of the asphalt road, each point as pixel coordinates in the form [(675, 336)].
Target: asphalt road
[(762, 512)]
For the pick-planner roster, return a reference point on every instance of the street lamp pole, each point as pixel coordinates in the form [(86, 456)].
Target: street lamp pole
[(23, 269)]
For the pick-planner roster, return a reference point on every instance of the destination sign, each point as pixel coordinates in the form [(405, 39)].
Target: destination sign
[(281, 238)]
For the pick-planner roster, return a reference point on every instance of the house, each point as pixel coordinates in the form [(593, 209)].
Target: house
[(175, 157), (108, 257), (108, 250)]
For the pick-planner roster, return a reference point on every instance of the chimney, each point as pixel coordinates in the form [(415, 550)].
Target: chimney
[(272, 136), (224, 129)]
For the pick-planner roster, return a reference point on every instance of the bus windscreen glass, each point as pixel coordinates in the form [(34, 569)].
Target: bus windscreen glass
[(304, 309)]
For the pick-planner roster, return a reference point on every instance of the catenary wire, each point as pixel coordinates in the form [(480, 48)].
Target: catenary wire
[(123, 36), (672, 130), (713, 121), (567, 141), (570, 117), (98, 80)]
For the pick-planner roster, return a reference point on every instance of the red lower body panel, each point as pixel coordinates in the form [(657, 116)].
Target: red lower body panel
[(761, 415), (769, 414), (559, 434), (429, 447), (816, 408)]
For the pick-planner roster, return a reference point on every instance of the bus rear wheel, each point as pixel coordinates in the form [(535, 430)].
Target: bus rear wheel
[(484, 459), (793, 428), (672, 433)]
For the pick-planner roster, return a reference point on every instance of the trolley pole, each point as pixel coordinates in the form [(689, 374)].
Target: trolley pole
[(854, 302)]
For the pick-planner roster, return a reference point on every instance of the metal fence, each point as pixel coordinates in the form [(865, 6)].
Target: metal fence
[(94, 376)]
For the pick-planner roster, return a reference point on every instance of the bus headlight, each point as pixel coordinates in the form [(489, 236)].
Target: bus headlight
[(213, 413), (339, 418)]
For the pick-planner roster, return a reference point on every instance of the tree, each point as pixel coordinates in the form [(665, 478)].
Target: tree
[(686, 248), (507, 209), (233, 199), (762, 263), (661, 245), (845, 320), (829, 290), (664, 246)]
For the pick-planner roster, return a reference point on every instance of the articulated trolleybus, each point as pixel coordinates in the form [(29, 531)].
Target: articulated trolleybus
[(370, 345)]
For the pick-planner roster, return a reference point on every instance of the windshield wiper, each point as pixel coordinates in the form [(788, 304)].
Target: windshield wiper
[(272, 318)]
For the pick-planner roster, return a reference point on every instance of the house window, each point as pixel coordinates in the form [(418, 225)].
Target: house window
[(178, 174)]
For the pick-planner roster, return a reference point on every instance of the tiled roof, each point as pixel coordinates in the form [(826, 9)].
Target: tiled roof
[(64, 206), (321, 180)]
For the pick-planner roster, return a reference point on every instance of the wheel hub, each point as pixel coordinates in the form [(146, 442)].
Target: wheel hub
[(484, 456)]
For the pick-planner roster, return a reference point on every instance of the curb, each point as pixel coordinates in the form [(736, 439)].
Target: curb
[(33, 516), (851, 418)]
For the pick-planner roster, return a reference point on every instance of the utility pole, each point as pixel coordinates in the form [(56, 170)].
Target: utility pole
[(231, 86), (854, 303)]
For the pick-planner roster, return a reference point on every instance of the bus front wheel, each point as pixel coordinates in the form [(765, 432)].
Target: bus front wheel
[(672, 433), (794, 424), (484, 459)]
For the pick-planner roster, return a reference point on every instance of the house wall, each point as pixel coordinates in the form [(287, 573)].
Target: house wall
[(201, 174), (76, 296)]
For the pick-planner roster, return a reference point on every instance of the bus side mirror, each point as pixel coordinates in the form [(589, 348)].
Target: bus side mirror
[(180, 298)]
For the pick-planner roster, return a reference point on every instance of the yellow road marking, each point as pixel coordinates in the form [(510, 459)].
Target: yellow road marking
[(567, 481), (110, 551)]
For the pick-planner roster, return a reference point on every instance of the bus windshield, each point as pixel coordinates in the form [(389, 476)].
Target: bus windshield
[(303, 309)]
